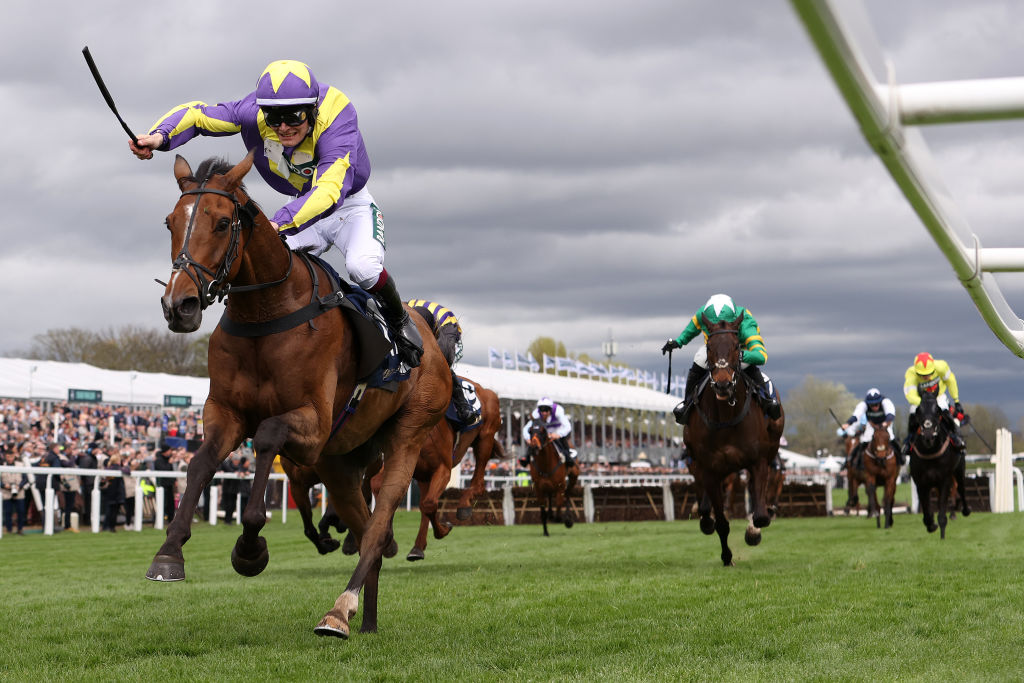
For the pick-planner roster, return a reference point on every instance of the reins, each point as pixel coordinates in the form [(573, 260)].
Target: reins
[(211, 285)]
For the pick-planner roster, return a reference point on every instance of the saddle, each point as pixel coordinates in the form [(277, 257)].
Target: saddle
[(378, 362)]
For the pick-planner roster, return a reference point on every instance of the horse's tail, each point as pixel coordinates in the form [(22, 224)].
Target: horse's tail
[(499, 450)]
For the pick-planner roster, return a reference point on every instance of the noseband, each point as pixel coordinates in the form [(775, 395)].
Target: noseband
[(212, 286), (729, 388)]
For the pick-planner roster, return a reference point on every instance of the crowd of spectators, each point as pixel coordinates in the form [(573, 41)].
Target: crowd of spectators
[(121, 439)]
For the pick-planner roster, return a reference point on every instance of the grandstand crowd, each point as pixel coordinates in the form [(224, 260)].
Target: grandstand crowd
[(97, 436), (125, 439)]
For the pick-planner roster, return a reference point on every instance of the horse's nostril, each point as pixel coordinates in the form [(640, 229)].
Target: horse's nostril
[(189, 306)]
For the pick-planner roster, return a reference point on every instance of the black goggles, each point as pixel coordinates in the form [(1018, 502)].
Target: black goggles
[(277, 116)]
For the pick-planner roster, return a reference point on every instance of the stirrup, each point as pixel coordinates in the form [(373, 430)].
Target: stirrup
[(409, 343)]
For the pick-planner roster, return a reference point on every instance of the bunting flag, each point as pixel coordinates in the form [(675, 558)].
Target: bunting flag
[(601, 372), (565, 364), (582, 369), (510, 362), (534, 365), (549, 362), (493, 357), (525, 361)]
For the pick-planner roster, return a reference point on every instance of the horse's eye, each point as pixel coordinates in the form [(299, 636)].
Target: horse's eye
[(222, 225)]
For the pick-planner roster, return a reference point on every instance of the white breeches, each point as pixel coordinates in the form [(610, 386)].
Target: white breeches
[(869, 431), (357, 230)]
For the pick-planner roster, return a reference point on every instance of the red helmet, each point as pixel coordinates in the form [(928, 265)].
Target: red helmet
[(924, 364)]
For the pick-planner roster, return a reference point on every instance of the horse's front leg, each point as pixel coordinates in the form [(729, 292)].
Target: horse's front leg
[(890, 497), (297, 432), (299, 479), (721, 522), (758, 488), (707, 524), (224, 432), (871, 493), (924, 500), (960, 474), (943, 505), (395, 479)]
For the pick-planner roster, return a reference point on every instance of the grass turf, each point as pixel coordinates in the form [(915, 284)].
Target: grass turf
[(819, 599)]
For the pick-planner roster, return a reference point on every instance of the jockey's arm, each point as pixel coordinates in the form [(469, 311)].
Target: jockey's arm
[(910, 388), (949, 379)]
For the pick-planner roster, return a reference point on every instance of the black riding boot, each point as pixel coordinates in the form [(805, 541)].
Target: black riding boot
[(857, 457), (693, 379), (563, 446), (897, 449), (407, 337), (463, 410), (769, 403)]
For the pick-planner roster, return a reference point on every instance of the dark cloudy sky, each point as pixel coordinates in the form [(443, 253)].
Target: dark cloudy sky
[(562, 169)]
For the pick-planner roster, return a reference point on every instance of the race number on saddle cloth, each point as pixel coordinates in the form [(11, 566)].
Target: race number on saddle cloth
[(307, 145), (461, 424)]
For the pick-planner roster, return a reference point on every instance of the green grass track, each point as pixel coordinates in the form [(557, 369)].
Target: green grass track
[(830, 599)]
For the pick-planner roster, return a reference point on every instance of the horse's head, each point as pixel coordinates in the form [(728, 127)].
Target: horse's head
[(205, 226), (930, 430), (880, 443), (724, 357), (538, 433)]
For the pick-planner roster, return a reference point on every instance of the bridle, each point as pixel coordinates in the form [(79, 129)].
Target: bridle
[(212, 286), (535, 443), (930, 428), (728, 389)]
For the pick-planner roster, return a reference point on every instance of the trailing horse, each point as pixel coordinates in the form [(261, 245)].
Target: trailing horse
[(443, 449), (553, 481), (935, 462), (727, 431), (880, 469), (855, 477), (287, 369)]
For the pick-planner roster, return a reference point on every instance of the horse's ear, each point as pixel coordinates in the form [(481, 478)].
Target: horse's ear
[(182, 172), (233, 178)]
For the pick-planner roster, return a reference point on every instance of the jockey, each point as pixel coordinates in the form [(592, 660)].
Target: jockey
[(933, 376), (558, 425), (449, 337), (720, 308), (308, 146), (874, 412)]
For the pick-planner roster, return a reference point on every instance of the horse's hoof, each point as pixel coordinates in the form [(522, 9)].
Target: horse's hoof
[(967, 512), (931, 528), (752, 536), (166, 568), (327, 544), (350, 547), (442, 530), (707, 526), (250, 565), (415, 554), (568, 523), (462, 514), (392, 549), (331, 626)]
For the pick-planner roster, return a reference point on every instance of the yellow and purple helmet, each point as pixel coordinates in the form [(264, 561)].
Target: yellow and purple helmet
[(924, 364), (287, 83)]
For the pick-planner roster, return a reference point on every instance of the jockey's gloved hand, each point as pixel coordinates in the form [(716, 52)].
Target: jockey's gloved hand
[(669, 346)]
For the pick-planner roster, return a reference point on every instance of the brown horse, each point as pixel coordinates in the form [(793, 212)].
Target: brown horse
[(880, 469), (935, 463), (726, 432), (285, 388), (553, 482), (444, 450), (855, 477)]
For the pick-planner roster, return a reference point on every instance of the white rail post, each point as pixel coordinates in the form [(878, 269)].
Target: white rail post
[(47, 510), (214, 502), (588, 502), (508, 505), (668, 501), (94, 505), (158, 504), (140, 501), (1002, 491)]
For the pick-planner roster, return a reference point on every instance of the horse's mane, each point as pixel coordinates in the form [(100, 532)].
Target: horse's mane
[(215, 166)]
